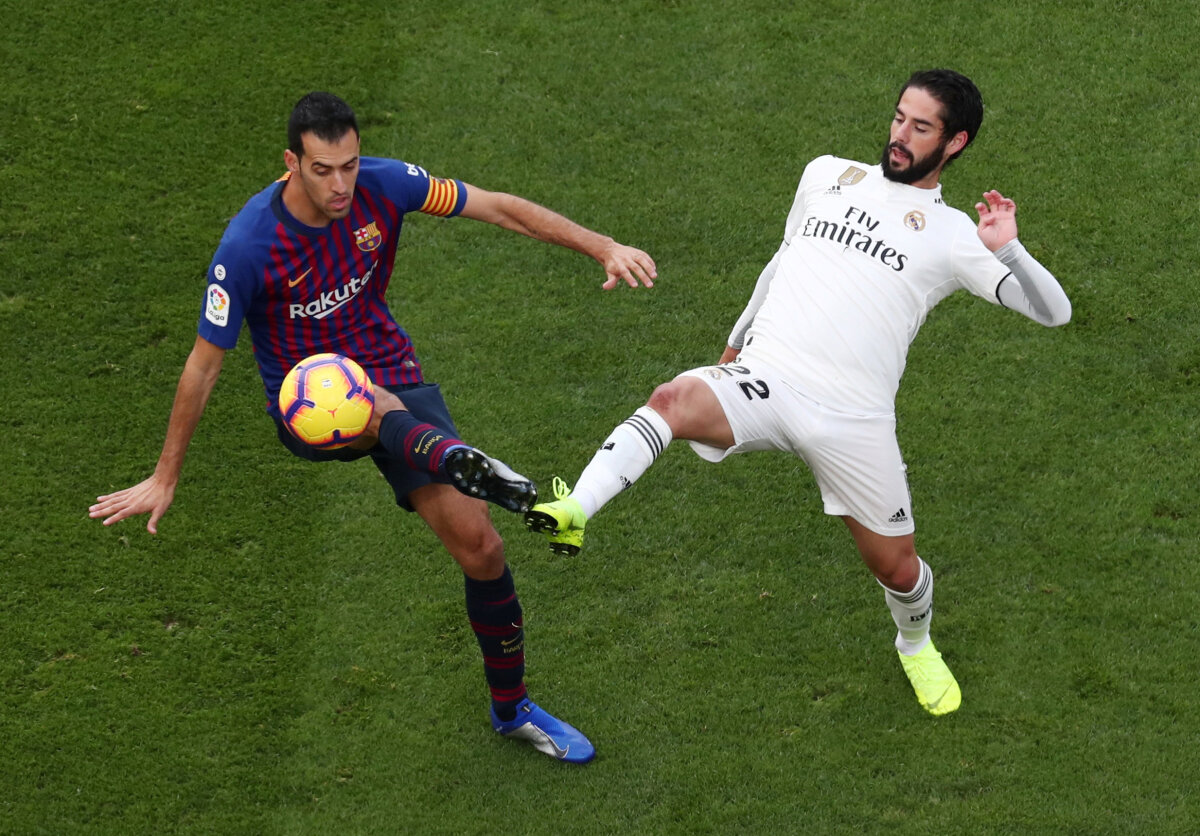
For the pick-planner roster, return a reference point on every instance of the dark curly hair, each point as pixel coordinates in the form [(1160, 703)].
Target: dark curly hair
[(962, 104), (322, 114)]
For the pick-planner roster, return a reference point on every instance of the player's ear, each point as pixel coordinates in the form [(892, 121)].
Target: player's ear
[(291, 160), (957, 143)]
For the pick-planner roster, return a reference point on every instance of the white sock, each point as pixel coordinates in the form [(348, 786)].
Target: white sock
[(912, 611), (624, 456)]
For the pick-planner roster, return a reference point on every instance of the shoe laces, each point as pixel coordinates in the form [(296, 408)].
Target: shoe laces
[(561, 489), (929, 665)]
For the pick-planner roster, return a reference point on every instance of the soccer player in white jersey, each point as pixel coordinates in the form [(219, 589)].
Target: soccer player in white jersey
[(814, 361)]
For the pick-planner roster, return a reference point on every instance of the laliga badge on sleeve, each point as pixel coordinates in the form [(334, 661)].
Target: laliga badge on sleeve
[(216, 305)]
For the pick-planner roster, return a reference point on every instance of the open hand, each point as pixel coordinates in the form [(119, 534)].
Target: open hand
[(997, 220), (628, 264), (146, 497)]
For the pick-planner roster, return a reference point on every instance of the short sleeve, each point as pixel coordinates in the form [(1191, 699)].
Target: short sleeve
[(415, 190), (975, 266), (228, 295)]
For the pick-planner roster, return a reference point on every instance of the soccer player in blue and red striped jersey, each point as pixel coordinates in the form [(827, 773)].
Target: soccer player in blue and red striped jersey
[(305, 265)]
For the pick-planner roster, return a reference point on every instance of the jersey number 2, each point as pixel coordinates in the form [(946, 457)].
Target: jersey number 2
[(756, 389)]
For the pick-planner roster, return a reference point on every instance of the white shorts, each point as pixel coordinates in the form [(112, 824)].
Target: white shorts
[(855, 458)]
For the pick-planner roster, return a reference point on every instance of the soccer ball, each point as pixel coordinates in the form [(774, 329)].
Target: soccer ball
[(326, 401)]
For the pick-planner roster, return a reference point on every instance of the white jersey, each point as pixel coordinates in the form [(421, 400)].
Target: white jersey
[(863, 261)]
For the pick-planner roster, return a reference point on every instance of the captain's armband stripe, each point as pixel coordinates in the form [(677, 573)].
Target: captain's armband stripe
[(442, 198)]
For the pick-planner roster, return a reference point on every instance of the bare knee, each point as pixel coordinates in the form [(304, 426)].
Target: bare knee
[(464, 527), (692, 411), (892, 560), (385, 402), (480, 552), (664, 399), (898, 572)]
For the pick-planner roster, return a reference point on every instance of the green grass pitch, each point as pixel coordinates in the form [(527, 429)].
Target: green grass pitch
[(290, 656)]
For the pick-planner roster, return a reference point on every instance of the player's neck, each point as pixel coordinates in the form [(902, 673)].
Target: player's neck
[(932, 180), (296, 201)]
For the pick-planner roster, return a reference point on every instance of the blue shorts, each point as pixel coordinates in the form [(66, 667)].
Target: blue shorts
[(424, 401)]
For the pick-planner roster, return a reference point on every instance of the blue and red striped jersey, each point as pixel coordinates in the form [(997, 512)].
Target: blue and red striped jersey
[(303, 290)]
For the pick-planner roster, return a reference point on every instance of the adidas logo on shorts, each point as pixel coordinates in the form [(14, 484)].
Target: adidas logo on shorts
[(898, 517)]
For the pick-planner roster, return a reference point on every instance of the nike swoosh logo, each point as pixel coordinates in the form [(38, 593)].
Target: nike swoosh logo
[(935, 703), (545, 743), (420, 441), (300, 278)]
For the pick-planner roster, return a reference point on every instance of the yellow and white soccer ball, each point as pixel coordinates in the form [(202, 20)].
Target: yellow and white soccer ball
[(326, 401)]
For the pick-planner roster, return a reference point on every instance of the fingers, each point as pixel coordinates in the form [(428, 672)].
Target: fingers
[(104, 505), (112, 508), (645, 268), (113, 514), (631, 276), (996, 202), (110, 513), (631, 266), (146, 497), (626, 276), (113, 519)]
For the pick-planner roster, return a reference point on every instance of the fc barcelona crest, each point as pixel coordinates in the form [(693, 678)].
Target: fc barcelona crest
[(368, 237)]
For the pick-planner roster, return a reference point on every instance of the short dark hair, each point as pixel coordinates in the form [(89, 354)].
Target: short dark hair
[(322, 114), (962, 103)]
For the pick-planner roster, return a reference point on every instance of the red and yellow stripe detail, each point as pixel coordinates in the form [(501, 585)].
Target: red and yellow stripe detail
[(442, 197)]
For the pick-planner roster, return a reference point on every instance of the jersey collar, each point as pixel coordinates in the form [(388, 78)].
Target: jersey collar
[(932, 195), (289, 220)]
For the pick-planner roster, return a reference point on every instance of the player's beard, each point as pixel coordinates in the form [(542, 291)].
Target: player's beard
[(918, 169)]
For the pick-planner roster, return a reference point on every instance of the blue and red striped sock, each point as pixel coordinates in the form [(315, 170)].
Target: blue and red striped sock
[(423, 445), (495, 615)]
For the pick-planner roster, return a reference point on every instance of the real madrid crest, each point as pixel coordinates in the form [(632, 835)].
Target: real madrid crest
[(852, 175), (915, 220)]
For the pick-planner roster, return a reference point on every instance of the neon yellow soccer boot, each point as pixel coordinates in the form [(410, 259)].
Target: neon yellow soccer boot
[(936, 688), (562, 520)]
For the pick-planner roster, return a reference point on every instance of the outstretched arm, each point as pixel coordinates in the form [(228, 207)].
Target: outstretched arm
[(1036, 293), (621, 263), (155, 494)]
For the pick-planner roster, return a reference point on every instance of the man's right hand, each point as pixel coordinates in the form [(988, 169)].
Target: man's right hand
[(153, 496), (150, 496)]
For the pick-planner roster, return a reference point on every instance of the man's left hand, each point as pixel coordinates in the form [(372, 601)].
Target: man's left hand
[(997, 220)]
